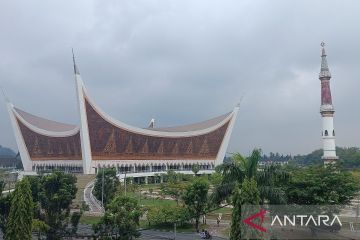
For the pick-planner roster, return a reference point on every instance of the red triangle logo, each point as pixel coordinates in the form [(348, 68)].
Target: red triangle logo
[(260, 215)]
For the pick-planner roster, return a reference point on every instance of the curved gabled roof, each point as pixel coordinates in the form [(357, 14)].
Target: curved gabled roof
[(44, 126), (195, 126), (41, 139), (44, 123), (178, 131)]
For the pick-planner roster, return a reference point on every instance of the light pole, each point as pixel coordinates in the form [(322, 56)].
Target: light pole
[(102, 189), (125, 182)]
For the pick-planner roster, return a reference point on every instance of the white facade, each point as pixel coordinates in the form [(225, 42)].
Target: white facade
[(328, 136)]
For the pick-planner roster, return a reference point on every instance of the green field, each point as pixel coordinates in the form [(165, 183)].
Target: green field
[(147, 201), (89, 219)]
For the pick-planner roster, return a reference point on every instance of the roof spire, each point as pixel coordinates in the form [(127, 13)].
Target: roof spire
[(152, 123), (3, 93), (239, 103), (324, 71), (76, 70)]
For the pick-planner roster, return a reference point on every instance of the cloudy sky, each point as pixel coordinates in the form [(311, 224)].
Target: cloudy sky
[(186, 61)]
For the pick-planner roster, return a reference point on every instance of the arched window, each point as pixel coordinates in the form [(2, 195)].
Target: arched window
[(334, 133), (326, 133)]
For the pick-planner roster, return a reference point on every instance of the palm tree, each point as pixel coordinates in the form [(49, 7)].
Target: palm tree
[(269, 179)]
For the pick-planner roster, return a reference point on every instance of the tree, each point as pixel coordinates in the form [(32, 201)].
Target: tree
[(57, 192), (269, 179), (166, 215), (195, 198), (215, 179), (75, 219), (195, 169), (19, 224), (174, 186), (2, 185), (247, 194), (319, 185), (121, 219), (39, 227), (5, 203), (35, 191), (175, 190), (111, 183)]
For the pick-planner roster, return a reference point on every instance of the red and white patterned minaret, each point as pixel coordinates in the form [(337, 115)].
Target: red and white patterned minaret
[(327, 112)]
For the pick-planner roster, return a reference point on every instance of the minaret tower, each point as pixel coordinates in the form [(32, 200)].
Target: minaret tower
[(327, 112)]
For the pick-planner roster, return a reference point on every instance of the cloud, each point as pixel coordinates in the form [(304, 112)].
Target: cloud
[(186, 61)]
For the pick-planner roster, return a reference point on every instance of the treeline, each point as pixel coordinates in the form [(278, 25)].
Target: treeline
[(275, 157), (272, 157), (349, 157)]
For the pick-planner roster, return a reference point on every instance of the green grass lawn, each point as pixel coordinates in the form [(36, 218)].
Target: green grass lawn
[(89, 219), (157, 202), (147, 201)]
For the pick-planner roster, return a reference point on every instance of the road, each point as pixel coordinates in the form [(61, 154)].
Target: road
[(153, 234)]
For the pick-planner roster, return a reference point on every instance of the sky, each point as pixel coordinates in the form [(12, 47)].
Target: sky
[(185, 61)]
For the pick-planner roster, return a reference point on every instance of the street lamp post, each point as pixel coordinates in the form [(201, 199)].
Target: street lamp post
[(125, 182), (102, 189)]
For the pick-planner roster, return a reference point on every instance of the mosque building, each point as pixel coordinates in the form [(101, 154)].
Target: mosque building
[(100, 141)]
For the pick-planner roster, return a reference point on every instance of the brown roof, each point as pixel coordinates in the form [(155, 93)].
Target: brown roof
[(44, 123), (195, 126)]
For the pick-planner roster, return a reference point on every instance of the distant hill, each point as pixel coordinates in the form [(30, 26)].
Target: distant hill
[(349, 157), (4, 151)]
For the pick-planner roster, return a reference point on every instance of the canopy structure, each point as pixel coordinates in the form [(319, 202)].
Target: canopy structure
[(102, 141)]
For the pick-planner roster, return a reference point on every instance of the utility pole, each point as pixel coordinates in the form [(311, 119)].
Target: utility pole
[(125, 183), (102, 189)]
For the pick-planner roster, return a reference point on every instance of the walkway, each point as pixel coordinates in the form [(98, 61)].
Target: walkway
[(94, 204)]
